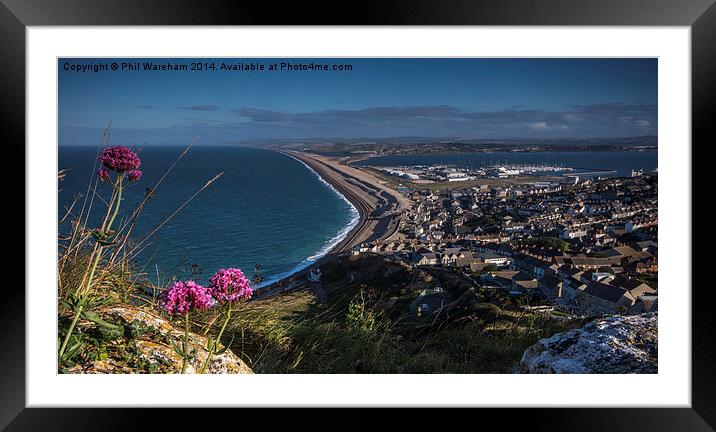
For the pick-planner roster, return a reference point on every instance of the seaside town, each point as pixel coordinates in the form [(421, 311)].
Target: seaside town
[(584, 246)]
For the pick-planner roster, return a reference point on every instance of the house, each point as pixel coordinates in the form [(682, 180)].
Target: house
[(636, 288), (600, 275), (627, 254), (567, 271), (571, 288), (649, 266), (530, 264), (550, 286), (437, 234), (523, 281), (451, 256), (428, 258), (492, 258), (510, 225), (597, 297), (644, 304), (361, 248), (573, 233), (586, 262), (645, 246)]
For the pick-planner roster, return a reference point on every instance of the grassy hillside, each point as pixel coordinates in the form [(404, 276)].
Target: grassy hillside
[(369, 324)]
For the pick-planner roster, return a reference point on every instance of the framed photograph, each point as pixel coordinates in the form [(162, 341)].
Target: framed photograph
[(459, 207)]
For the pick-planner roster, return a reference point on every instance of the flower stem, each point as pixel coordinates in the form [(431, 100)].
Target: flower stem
[(110, 206), (97, 257), (218, 339), (119, 201), (185, 357), (94, 260)]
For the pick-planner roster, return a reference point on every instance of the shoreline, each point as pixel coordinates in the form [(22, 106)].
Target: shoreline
[(330, 244), (374, 201), (378, 207)]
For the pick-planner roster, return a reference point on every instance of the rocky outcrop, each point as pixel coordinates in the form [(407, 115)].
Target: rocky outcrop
[(614, 345), (150, 337)]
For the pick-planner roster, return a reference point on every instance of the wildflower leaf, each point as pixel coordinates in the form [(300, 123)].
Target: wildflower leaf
[(73, 302), (72, 350), (93, 302), (177, 350), (67, 304), (111, 333), (104, 237), (95, 318)]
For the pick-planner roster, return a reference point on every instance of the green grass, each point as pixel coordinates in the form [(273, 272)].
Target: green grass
[(293, 334)]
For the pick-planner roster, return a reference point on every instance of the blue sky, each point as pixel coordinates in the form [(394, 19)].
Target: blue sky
[(464, 98)]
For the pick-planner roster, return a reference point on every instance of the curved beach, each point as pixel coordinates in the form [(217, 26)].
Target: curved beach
[(379, 208)]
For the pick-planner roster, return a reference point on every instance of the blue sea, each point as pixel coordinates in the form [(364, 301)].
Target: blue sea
[(266, 209), (620, 161)]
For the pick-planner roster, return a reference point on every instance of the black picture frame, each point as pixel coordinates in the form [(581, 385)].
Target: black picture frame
[(700, 15)]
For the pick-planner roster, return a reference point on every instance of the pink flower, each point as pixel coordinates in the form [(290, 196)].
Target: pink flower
[(229, 286), (134, 175), (103, 174), (183, 297), (120, 159)]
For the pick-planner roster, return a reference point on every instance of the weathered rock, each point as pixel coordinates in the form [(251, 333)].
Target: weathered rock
[(614, 345), (154, 347)]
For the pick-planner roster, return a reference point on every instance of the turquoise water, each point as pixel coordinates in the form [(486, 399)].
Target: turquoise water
[(621, 162), (267, 209)]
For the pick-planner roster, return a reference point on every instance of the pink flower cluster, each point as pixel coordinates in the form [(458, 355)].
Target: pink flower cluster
[(229, 286), (119, 159), (134, 175), (183, 297), (103, 174)]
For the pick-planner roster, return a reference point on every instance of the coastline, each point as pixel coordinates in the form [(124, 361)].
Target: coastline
[(374, 201), (378, 211), (330, 244)]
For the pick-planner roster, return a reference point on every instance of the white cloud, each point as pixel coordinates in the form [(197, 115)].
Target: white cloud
[(544, 126), (635, 121)]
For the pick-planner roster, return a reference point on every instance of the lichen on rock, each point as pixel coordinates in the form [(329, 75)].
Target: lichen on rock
[(152, 347), (614, 345)]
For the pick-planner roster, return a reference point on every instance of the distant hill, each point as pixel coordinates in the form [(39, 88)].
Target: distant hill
[(419, 145), (648, 140)]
